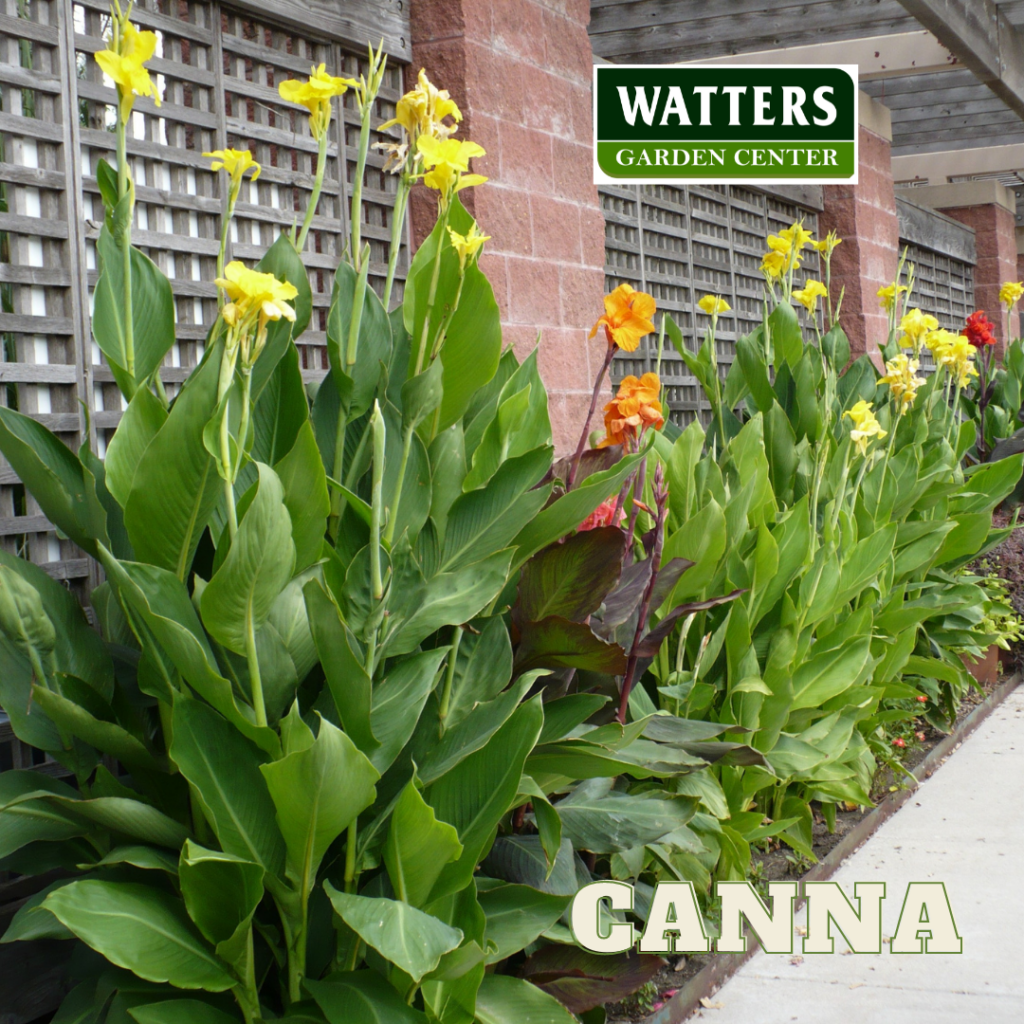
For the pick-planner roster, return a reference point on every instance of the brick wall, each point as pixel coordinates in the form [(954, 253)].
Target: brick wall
[(521, 70), (997, 261), (864, 216)]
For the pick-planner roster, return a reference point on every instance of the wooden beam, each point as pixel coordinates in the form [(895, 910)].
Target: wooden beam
[(669, 31), (939, 142), (983, 38), (938, 167)]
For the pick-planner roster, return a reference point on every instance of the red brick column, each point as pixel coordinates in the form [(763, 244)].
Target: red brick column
[(996, 242), (864, 217), (521, 72)]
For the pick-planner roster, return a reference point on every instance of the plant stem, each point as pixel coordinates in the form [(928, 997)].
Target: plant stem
[(243, 422), (389, 532), (350, 476), (222, 253), (357, 184), (229, 486), (314, 197), (397, 230), (446, 321), (638, 495), (449, 676), (297, 956), (350, 856), (227, 372), (255, 680), (431, 294), (125, 241), (719, 414), (661, 499), (339, 464), (377, 501), (354, 325), (594, 399), (247, 994)]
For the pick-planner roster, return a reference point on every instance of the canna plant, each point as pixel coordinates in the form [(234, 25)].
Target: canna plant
[(302, 723), (832, 498)]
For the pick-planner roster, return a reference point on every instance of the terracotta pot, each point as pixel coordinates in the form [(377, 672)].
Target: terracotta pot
[(986, 670)]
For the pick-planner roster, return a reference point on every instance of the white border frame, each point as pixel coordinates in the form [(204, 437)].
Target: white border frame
[(601, 178)]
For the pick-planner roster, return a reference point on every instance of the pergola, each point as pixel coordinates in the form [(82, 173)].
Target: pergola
[(950, 71)]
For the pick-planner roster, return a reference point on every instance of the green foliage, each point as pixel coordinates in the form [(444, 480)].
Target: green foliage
[(383, 700), (306, 669)]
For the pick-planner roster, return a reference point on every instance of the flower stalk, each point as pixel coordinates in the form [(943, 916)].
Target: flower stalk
[(661, 504), (314, 196), (397, 231)]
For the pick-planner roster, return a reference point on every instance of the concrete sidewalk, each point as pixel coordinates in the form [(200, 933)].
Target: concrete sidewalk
[(964, 827)]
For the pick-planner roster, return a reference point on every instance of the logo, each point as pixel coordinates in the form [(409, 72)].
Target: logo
[(674, 923), (779, 124)]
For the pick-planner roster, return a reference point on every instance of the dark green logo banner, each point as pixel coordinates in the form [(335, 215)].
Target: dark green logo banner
[(773, 124)]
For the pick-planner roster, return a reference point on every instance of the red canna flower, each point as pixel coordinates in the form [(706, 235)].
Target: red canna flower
[(602, 516), (899, 742), (922, 699), (979, 329), (920, 736)]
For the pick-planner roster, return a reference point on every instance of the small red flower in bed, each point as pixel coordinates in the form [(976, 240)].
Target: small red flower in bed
[(978, 329)]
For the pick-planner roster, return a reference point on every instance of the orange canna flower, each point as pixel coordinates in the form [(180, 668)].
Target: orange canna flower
[(627, 318), (603, 515), (634, 409)]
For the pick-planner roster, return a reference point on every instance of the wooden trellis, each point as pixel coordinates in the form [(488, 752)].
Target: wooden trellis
[(944, 256), (679, 242), (218, 66)]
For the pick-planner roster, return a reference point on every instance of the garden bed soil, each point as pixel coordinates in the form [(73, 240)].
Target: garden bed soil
[(782, 864)]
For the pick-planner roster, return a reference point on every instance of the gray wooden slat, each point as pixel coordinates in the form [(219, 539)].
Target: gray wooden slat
[(33, 226), (656, 31), (37, 373), (36, 177), (153, 20), (24, 324), (22, 28)]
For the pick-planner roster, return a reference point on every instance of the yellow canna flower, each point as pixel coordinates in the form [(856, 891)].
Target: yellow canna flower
[(808, 295), (865, 426), (827, 244), (422, 111), (940, 339), (447, 161), (782, 245), (796, 235), (628, 316), (1010, 293), (467, 245), (713, 305), (236, 162), (773, 264), (915, 325), (956, 354), (123, 61), (889, 294), (900, 375), (315, 94), (255, 295)]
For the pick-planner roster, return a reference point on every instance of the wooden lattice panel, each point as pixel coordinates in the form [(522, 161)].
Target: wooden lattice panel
[(218, 67), (943, 285), (679, 242), (40, 267)]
